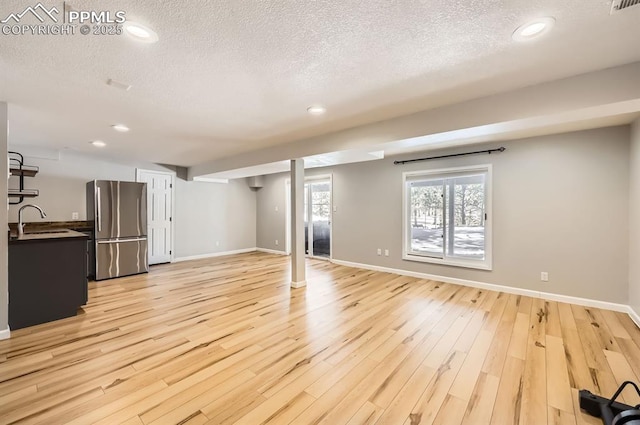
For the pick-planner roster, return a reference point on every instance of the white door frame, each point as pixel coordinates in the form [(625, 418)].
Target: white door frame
[(172, 174), (287, 193)]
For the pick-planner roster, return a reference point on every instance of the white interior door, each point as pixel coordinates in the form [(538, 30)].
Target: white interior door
[(159, 210)]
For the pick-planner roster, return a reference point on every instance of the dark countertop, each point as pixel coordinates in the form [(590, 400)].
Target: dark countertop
[(76, 225), (45, 235)]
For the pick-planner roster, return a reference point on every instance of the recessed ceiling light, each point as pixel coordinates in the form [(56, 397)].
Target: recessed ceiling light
[(120, 127), (533, 29), (140, 32), (316, 109), (98, 143)]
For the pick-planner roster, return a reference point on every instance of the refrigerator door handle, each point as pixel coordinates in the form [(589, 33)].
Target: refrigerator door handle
[(99, 208), (122, 240)]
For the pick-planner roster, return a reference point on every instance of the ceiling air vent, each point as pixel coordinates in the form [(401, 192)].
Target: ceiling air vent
[(620, 5)]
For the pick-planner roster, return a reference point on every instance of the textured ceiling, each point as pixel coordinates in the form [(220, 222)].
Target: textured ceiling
[(231, 76)]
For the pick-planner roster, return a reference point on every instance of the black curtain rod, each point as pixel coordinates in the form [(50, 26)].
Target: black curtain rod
[(488, 151)]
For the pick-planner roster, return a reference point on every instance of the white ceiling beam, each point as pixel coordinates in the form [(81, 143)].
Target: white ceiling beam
[(572, 100)]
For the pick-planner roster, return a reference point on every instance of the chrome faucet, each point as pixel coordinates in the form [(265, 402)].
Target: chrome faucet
[(20, 223)]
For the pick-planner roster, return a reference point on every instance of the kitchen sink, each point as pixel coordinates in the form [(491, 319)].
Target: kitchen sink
[(44, 232)]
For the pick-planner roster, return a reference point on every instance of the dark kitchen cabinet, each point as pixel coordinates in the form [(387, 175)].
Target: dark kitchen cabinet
[(47, 278)]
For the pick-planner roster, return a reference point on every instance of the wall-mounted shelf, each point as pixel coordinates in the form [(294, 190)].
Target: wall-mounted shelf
[(19, 169), (27, 193), (26, 171)]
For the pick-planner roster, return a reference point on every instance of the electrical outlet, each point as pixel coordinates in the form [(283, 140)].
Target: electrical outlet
[(277, 242), (276, 208), (217, 243), (335, 209), (386, 252), (379, 251), (74, 216), (544, 276)]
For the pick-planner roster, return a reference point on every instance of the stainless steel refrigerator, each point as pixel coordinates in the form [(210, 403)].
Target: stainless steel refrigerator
[(119, 214)]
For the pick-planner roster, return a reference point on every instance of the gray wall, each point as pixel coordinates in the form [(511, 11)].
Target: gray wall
[(634, 224), (4, 274), (204, 212), (214, 217), (270, 224), (271, 208), (560, 205)]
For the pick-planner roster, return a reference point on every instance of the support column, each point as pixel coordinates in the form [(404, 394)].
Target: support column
[(297, 224), (4, 257)]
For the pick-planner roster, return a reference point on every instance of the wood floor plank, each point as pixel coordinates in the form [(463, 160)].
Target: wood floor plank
[(369, 388), (553, 325), (340, 370), (436, 391), (630, 326), (185, 403), (113, 412), (136, 421), (622, 371), (631, 353), (480, 407), (580, 376), (451, 412), (369, 413), (605, 336), (319, 410), (601, 374), (400, 408), (22, 394), (615, 326), (494, 362), (508, 405), (289, 396), (519, 336), (560, 417), (226, 340), (34, 414), (465, 382), (534, 388), (291, 410), (559, 388)]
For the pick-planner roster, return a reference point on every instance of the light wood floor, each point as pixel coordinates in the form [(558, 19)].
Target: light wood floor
[(225, 340)]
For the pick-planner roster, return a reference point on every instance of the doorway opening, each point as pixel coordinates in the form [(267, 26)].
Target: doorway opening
[(317, 217)]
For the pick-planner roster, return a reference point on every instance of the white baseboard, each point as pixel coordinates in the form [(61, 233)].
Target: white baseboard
[(493, 287), (5, 334), (271, 251), (300, 284), (634, 315), (213, 254)]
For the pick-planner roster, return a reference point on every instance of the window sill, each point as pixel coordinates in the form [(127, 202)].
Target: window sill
[(469, 264)]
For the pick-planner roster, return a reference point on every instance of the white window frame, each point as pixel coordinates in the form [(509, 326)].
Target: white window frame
[(486, 263)]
